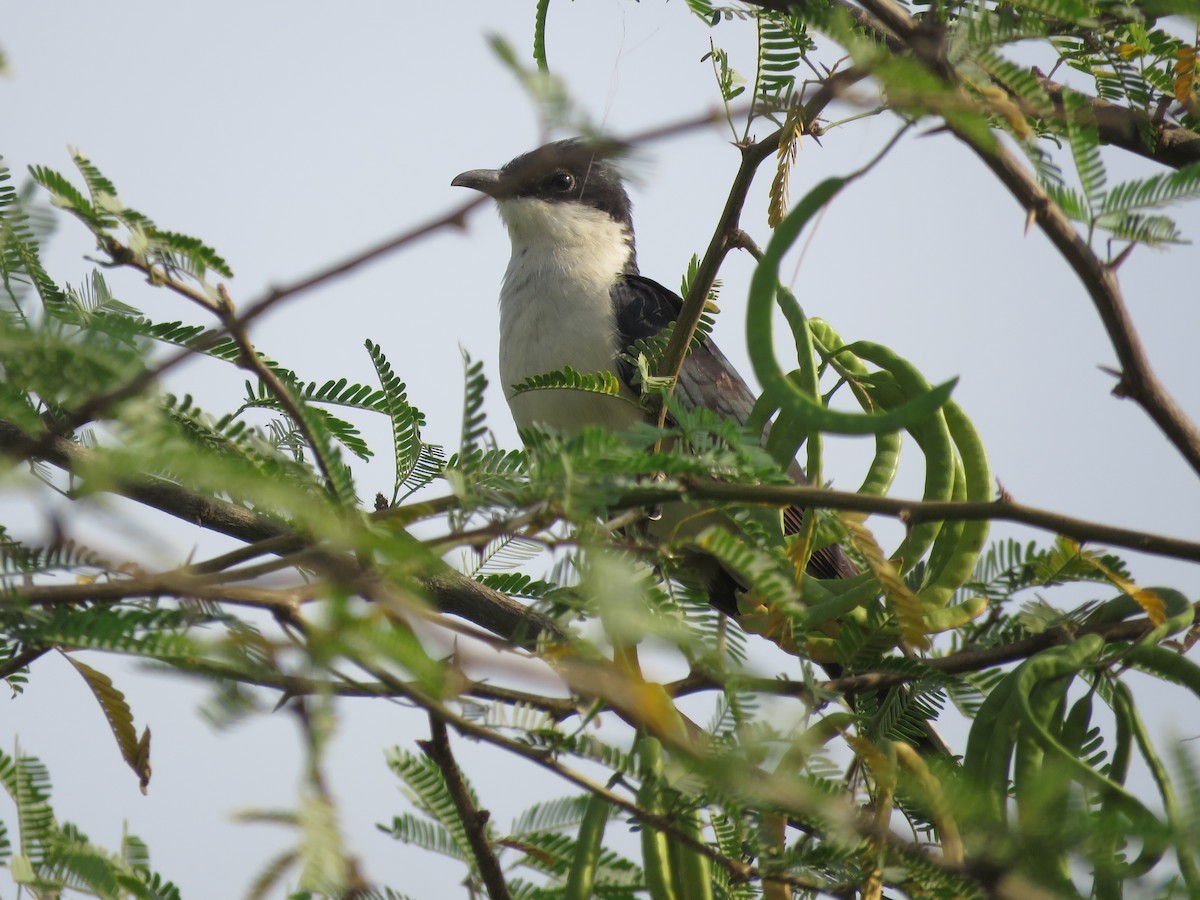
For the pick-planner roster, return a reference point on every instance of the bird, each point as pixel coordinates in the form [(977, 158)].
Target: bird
[(573, 295)]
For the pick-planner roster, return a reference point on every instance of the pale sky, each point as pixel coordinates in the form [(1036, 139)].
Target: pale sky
[(289, 136)]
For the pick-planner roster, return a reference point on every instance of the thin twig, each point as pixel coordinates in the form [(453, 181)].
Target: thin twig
[(451, 591), (915, 511), (728, 233), (21, 660), (1138, 380), (286, 601), (972, 660), (719, 246), (474, 820), (1123, 127)]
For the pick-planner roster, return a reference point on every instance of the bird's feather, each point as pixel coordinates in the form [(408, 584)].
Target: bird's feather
[(644, 308)]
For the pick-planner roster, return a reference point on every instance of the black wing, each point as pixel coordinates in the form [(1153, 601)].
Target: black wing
[(644, 308), (708, 379)]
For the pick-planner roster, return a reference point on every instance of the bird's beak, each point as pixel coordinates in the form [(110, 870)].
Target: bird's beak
[(486, 181)]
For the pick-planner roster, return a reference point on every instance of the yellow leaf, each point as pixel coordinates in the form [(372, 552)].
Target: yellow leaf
[(902, 601), (1153, 604), (789, 141), (1129, 51), (757, 618), (135, 750), (1002, 104), (1185, 75)]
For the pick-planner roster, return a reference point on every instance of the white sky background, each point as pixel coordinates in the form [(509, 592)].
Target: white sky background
[(290, 136)]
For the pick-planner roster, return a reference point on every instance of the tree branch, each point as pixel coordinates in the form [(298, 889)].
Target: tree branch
[(21, 660), (728, 232), (1138, 380), (912, 512), (451, 591), (473, 819), (1123, 127), (972, 660)]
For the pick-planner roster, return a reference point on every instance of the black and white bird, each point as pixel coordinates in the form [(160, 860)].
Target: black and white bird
[(573, 296)]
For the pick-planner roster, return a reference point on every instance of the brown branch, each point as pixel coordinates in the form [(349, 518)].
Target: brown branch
[(728, 233), (285, 601), (451, 591), (719, 246), (1138, 380), (21, 660), (474, 820), (1125, 128), (972, 660), (915, 511), (250, 360)]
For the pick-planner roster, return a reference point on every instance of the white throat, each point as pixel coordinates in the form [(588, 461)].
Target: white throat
[(556, 309)]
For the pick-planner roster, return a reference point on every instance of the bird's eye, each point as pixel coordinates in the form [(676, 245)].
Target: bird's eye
[(561, 182)]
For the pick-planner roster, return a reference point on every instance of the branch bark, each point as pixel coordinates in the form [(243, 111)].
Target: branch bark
[(914, 511), (451, 591), (973, 660), (1138, 380), (1123, 127), (474, 820)]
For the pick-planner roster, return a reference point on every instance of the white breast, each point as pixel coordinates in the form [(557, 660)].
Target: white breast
[(556, 311)]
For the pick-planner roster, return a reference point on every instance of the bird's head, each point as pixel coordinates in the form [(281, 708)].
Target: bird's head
[(560, 195)]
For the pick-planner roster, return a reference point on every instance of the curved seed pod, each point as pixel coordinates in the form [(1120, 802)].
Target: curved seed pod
[(1179, 613), (1065, 661), (932, 435), (969, 537), (807, 411), (587, 850), (1167, 664), (882, 470), (1042, 796), (691, 868), (1185, 852), (945, 547), (656, 857), (990, 746), (950, 617)]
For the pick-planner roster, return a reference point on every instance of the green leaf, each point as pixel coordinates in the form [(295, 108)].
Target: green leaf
[(474, 422), (28, 784), (66, 196), (1155, 192), (567, 379), (416, 465), (428, 792)]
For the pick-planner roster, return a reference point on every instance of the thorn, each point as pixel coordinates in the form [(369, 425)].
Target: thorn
[(1002, 494), (1030, 218), (1121, 257), (1121, 389), (940, 129), (226, 300)]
